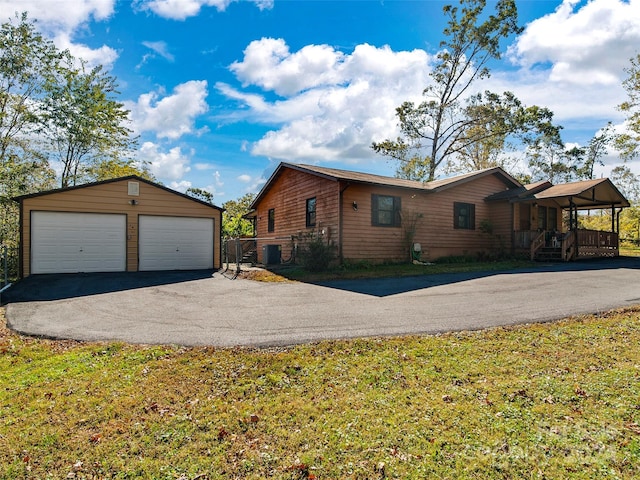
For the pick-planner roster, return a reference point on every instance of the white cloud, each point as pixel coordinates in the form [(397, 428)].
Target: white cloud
[(333, 104), (172, 115), (218, 179), (182, 9), (60, 15), (161, 48), (203, 166), (181, 186), (62, 18), (244, 178), (105, 56), (269, 64), (585, 46), (171, 165)]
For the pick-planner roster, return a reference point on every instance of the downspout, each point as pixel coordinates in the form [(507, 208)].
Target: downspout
[(618, 229), (341, 222)]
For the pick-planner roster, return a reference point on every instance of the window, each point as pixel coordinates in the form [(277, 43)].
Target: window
[(542, 218), (385, 211), (547, 218), (552, 218), (464, 215), (271, 225), (311, 212)]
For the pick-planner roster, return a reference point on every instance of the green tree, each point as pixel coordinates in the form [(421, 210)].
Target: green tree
[(593, 153), (234, 223), (85, 123), (437, 128), (26, 59), (627, 182), (200, 194), (114, 168), (628, 143), (547, 158), (498, 124)]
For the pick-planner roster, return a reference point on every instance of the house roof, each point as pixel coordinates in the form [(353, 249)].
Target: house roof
[(112, 180), (525, 192), (349, 176), (598, 193)]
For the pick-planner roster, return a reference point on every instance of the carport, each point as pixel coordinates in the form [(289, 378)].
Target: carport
[(123, 224)]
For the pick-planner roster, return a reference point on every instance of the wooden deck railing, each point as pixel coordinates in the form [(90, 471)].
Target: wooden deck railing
[(594, 243), (537, 243), (568, 246), (578, 244)]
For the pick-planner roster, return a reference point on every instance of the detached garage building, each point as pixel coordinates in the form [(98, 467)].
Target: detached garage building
[(125, 224)]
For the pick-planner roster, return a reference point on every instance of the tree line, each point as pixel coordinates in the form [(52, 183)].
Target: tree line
[(60, 121), (455, 129)]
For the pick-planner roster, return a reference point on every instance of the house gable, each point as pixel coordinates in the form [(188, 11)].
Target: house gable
[(349, 204), (280, 210)]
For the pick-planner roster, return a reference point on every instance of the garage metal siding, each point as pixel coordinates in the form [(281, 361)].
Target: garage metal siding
[(63, 242), (175, 243), (112, 197)]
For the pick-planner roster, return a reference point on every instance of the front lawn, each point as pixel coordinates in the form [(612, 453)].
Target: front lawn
[(556, 400), (367, 270)]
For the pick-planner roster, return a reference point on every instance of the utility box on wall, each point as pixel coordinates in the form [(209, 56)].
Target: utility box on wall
[(271, 254)]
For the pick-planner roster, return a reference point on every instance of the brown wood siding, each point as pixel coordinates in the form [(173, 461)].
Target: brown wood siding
[(287, 196), (113, 198), (440, 238), (364, 241), (434, 228), (501, 216)]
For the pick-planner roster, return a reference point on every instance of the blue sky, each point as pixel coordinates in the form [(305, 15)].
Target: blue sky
[(221, 91)]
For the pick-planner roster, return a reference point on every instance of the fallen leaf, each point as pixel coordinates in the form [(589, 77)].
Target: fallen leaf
[(634, 427), (222, 433)]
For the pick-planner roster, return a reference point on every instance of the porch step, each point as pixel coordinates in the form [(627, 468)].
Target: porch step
[(250, 256), (549, 254)]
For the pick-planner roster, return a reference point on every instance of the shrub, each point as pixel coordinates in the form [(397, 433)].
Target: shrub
[(316, 255)]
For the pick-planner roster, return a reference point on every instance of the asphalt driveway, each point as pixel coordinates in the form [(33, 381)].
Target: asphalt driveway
[(206, 308)]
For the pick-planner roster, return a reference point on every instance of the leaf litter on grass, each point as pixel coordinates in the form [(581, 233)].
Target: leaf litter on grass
[(556, 400)]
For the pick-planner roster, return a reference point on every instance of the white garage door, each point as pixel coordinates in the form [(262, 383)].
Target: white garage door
[(175, 243), (63, 242)]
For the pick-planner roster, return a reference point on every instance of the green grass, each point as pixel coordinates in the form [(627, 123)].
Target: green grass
[(556, 400), (629, 249), (366, 270)]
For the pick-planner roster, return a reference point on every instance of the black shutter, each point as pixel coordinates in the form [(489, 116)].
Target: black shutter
[(472, 216)]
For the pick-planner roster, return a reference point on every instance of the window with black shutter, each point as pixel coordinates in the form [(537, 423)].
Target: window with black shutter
[(464, 215), (385, 211)]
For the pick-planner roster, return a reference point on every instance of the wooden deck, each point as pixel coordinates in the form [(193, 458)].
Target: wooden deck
[(579, 244)]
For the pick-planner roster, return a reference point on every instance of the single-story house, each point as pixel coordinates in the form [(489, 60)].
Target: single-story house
[(383, 219), (123, 224)]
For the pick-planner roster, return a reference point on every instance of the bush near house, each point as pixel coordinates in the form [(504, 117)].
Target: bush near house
[(315, 255)]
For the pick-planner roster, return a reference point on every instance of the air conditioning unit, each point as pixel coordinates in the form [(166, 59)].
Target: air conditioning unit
[(271, 254)]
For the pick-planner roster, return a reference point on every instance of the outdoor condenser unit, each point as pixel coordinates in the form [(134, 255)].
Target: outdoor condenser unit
[(271, 254)]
